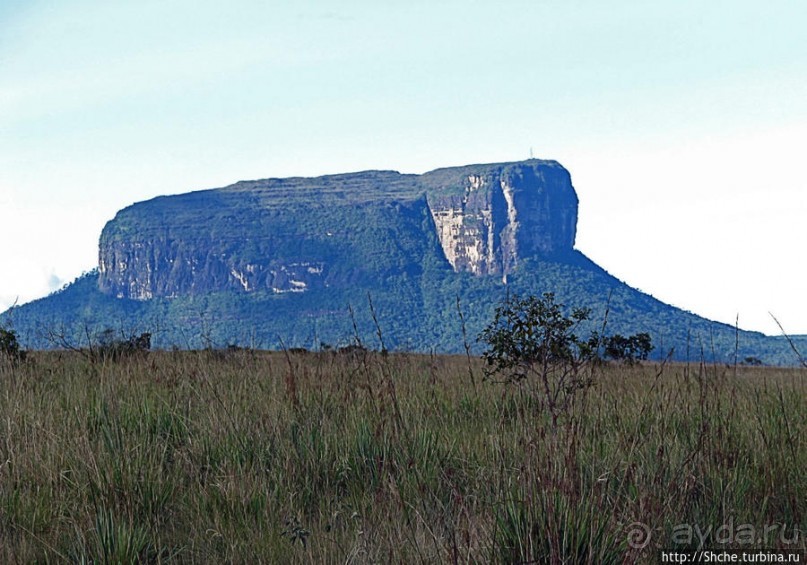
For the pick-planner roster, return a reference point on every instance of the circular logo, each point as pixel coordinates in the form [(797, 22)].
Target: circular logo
[(638, 535)]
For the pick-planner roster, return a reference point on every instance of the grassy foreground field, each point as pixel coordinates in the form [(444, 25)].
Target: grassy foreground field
[(267, 457)]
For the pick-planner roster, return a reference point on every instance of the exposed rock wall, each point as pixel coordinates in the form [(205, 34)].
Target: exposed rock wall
[(487, 220), (296, 235), (466, 226), (142, 270)]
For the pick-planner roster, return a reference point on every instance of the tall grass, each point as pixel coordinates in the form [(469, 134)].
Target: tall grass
[(272, 457)]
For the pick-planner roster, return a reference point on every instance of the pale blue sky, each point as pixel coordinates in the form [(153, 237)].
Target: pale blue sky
[(682, 123)]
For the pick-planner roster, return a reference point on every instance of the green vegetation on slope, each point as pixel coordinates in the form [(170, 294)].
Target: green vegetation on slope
[(297, 261), (416, 312)]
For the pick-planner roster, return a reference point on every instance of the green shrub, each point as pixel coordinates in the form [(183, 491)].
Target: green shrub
[(531, 338), (10, 346), (629, 350), (110, 347)]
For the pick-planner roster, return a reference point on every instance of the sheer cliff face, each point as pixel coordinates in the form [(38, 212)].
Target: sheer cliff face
[(298, 235), (488, 219)]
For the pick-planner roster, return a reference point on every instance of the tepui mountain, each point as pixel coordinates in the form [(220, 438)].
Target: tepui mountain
[(307, 262)]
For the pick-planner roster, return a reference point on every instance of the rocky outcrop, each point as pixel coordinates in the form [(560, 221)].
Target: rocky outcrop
[(169, 267), (297, 235), (488, 217)]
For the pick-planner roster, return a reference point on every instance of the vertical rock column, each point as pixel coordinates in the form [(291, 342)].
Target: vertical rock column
[(503, 214)]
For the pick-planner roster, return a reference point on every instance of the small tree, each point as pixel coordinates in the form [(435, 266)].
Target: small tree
[(532, 338), (113, 348), (10, 346), (629, 350)]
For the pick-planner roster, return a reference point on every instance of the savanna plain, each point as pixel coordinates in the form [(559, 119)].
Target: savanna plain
[(361, 457)]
